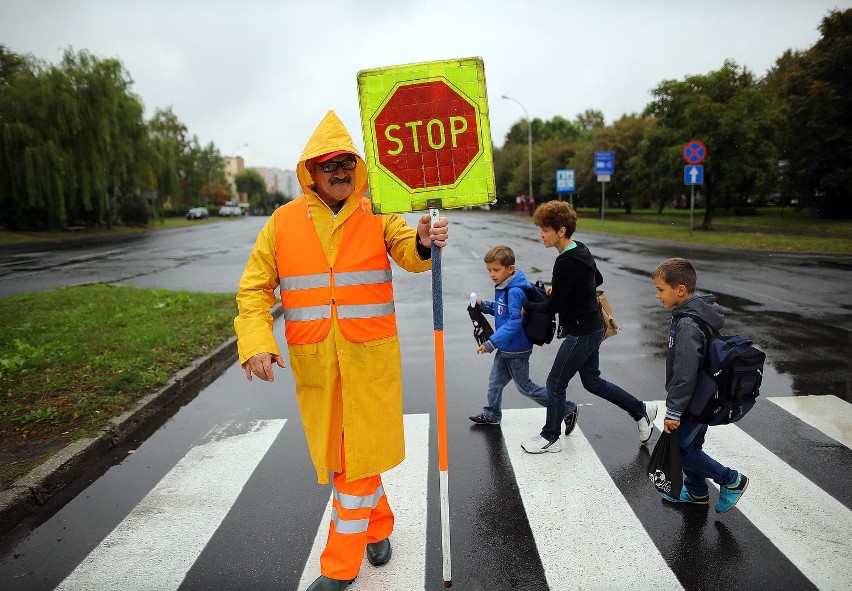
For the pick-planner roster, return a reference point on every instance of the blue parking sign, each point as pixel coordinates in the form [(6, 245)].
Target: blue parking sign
[(605, 163)]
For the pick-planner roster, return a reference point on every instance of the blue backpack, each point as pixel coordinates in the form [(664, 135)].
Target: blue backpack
[(729, 380)]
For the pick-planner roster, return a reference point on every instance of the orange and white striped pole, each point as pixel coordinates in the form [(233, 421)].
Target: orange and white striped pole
[(441, 404)]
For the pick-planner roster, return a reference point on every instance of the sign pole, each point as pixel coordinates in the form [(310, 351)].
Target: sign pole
[(603, 200), (441, 403), (691, 206)]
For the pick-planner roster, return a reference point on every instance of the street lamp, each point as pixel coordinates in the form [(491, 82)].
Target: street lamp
[(234, 151), (529, 139)]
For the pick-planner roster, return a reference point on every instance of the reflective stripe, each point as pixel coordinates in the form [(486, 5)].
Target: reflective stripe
[(304, 282), (353, 502), (362, 277), (365, 310), (348, 526), (307, 313)]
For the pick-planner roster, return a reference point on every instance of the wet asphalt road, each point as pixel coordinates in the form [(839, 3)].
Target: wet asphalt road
[(796, 307)]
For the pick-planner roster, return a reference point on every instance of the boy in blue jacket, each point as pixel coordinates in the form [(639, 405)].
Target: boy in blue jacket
[(510, 344), (675, 281)]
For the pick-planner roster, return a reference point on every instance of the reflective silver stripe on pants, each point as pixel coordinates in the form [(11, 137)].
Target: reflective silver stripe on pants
[(304, 282), (307, 313), (348, 526), (362, 277), (359, 502), (365, 310)]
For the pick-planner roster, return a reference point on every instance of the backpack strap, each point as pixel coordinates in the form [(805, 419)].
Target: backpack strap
[(705, 328)]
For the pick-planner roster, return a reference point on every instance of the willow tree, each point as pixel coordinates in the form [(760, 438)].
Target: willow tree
[(69, 135)]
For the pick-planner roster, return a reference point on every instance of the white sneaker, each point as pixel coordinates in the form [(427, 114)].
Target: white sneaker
[(540, 445), (646, 423)]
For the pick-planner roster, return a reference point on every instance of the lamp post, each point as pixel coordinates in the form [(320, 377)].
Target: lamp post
[(529, 139)]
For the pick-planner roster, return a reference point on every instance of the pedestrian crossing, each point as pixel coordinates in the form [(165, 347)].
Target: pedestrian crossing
[(587, 534), (808, 525)]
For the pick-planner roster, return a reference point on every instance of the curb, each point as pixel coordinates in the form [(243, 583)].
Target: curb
[(35, 489)]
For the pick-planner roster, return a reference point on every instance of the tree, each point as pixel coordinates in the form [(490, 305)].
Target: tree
[(814, 93), (69, 135), (728, 112), (252, 183)]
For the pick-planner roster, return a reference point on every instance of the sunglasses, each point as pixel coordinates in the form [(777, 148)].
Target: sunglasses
[(332, 166)]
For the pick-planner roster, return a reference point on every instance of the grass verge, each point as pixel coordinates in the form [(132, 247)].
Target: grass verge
[(72, 358), (767, 230)]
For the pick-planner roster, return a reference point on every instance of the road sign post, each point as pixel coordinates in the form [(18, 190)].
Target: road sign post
[(427, 143), (604, 169), (694, 152)]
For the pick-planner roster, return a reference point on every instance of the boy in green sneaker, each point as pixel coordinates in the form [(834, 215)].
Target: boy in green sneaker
[(675, 281)]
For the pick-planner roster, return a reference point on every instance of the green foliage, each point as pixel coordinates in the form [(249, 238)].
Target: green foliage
[(75, 149), (813, 90), (789, 133), (252, 183)]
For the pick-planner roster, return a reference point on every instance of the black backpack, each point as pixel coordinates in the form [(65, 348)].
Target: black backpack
[(539, 326), (729, 380)]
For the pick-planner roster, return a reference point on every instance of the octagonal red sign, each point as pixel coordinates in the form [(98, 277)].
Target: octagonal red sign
[(426, 134)]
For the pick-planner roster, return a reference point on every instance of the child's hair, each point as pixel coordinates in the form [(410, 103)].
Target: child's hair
[(556, 214), (501, 254), (677, 271)]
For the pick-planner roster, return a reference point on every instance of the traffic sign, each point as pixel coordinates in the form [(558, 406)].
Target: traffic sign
[(694, 152), (693, 174), (427, 135), (605, 163), (565, 181)]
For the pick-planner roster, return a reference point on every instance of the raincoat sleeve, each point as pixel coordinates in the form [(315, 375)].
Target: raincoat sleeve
[(401, 243), (256, 296)]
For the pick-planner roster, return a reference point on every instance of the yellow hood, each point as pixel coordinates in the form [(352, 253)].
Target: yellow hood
[(331, 136)]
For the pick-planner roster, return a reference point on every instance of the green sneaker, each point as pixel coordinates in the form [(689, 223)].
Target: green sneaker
[(729, 494)]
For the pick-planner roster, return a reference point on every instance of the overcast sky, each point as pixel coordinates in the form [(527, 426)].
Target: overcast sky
[(264, 72)]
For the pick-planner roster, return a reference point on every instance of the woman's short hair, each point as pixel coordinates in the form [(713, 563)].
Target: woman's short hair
[(556, 214)]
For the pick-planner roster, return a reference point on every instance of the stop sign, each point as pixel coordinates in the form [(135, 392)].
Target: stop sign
[(426, 134)]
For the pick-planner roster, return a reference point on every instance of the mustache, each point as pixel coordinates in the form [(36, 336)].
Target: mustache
[(335, 180)]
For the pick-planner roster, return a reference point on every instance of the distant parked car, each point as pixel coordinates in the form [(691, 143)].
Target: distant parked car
[(197, 213), (228, 211)]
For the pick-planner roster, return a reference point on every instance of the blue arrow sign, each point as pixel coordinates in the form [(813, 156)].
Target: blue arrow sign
[(605, 163), (693, 174)]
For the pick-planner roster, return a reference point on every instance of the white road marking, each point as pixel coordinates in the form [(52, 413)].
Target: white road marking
[(829, 414), (579, 518), (406, 488), (157, 543), (804, 522)]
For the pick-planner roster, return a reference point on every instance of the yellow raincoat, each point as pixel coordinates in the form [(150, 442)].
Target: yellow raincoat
[(341, 386)]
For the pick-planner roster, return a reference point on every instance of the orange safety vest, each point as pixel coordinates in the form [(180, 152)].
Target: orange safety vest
[(358, 291)]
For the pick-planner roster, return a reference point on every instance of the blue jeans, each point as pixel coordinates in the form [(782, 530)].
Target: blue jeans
[(697, 465), (580, 354), (505, 370)]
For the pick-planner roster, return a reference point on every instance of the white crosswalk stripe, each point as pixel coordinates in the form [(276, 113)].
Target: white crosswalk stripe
[(807, 524), (406, 488), (829, 414), (578, 516), (155, 546)]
